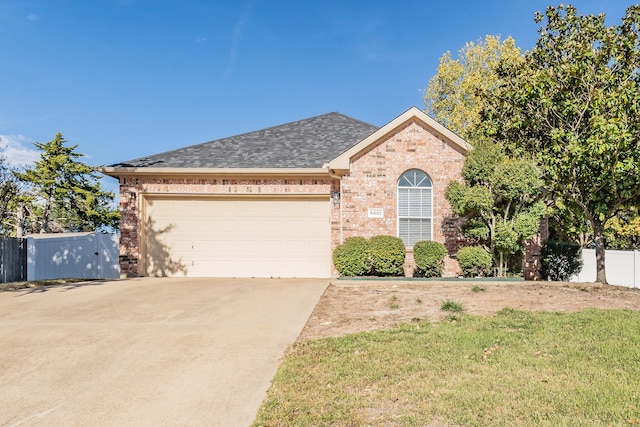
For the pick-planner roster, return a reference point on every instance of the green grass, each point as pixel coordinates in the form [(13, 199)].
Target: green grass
[(452, 306), (514, 369), (477, 288)]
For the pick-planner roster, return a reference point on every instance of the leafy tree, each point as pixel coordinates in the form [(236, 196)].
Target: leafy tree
[(9, 192), (573, 104), (454, 95), (500, 198), (568, 224), (65, 193), (623, 230)]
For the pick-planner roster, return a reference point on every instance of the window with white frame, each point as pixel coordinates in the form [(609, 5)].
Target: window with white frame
[(415, 207)]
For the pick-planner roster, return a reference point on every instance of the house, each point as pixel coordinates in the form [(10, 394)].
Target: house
[(277, 201)]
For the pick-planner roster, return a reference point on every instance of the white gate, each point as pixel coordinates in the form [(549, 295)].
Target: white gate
[(72, 255)]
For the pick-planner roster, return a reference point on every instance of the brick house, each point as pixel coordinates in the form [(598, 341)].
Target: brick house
[(277, 201)]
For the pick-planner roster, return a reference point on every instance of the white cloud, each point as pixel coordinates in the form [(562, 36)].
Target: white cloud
[(236, 35), (15, 150), (32, 17)]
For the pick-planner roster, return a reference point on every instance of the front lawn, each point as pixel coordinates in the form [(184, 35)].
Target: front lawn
[(514, 369)]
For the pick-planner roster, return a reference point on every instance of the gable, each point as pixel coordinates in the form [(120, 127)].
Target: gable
[(341, 164)]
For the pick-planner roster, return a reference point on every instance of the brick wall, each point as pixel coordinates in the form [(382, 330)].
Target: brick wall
[(372, 183), (132, 191)]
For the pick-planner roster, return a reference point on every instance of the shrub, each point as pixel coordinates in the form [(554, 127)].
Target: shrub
[(387, 255), (352, 257), (429, 258), (474, 261), (560, 260)]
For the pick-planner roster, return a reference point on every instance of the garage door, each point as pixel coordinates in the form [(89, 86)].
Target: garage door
[(237, 237)]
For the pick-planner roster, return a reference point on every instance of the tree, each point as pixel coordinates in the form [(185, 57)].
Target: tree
[(623, 230), (64, 193), (454, 95), (500, 199), (9, 192), (573, 104)]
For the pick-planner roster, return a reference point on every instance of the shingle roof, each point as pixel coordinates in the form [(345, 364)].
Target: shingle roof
[(308, 143)]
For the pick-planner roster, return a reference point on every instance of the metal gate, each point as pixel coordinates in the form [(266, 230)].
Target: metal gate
[(13, 259)]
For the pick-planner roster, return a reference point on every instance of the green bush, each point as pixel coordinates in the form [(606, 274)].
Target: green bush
[(352, 257), (560, 260), (387, 255), (429, 258), (474, 261)]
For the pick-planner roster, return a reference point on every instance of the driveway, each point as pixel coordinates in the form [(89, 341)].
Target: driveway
[(147, 352)]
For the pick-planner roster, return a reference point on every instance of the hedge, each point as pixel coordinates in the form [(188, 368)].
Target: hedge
[(560, 260), (352, 257), (429, 258), (387, 255), (474, 261)]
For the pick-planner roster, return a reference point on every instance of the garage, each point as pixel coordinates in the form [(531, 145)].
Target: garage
[(237, 236)]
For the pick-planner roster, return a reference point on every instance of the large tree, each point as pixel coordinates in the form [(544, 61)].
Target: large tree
[(64, 193), (454, 95), (500, 200), (574, 105)]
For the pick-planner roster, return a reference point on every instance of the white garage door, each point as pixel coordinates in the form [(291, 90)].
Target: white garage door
[(237, 237)]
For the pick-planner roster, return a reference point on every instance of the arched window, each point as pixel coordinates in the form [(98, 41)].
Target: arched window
[(415, 207)]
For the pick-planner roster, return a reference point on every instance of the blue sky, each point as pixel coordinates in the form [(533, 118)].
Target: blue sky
[(128, 78)]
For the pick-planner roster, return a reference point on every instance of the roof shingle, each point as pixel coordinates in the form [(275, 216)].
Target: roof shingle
[(308, 143)]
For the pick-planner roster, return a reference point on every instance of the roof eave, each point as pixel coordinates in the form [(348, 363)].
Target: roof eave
[(133, 171)]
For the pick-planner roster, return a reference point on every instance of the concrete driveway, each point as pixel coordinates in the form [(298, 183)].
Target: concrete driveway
[(147, 352)]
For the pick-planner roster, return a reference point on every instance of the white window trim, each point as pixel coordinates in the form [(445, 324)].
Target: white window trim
[(433, 207)]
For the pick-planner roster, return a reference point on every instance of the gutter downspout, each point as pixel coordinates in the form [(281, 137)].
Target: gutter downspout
[(332, 174)]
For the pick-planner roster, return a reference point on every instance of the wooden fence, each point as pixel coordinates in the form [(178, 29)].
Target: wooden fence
[(13, 259)]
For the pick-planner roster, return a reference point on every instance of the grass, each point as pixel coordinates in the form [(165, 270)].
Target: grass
[(452, 306), (477, 288), (394, 302), (514, 369)]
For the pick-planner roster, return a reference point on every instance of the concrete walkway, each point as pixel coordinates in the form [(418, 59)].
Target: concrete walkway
[(147, 352)]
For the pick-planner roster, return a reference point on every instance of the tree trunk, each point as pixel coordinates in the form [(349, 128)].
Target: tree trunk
[(44, 227), (20, 221), (598, 230)]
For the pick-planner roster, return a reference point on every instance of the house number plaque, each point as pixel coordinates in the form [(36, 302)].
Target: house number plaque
[(375, 213)]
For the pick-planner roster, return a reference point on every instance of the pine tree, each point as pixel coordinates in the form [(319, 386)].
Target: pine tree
[(65, 194)]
